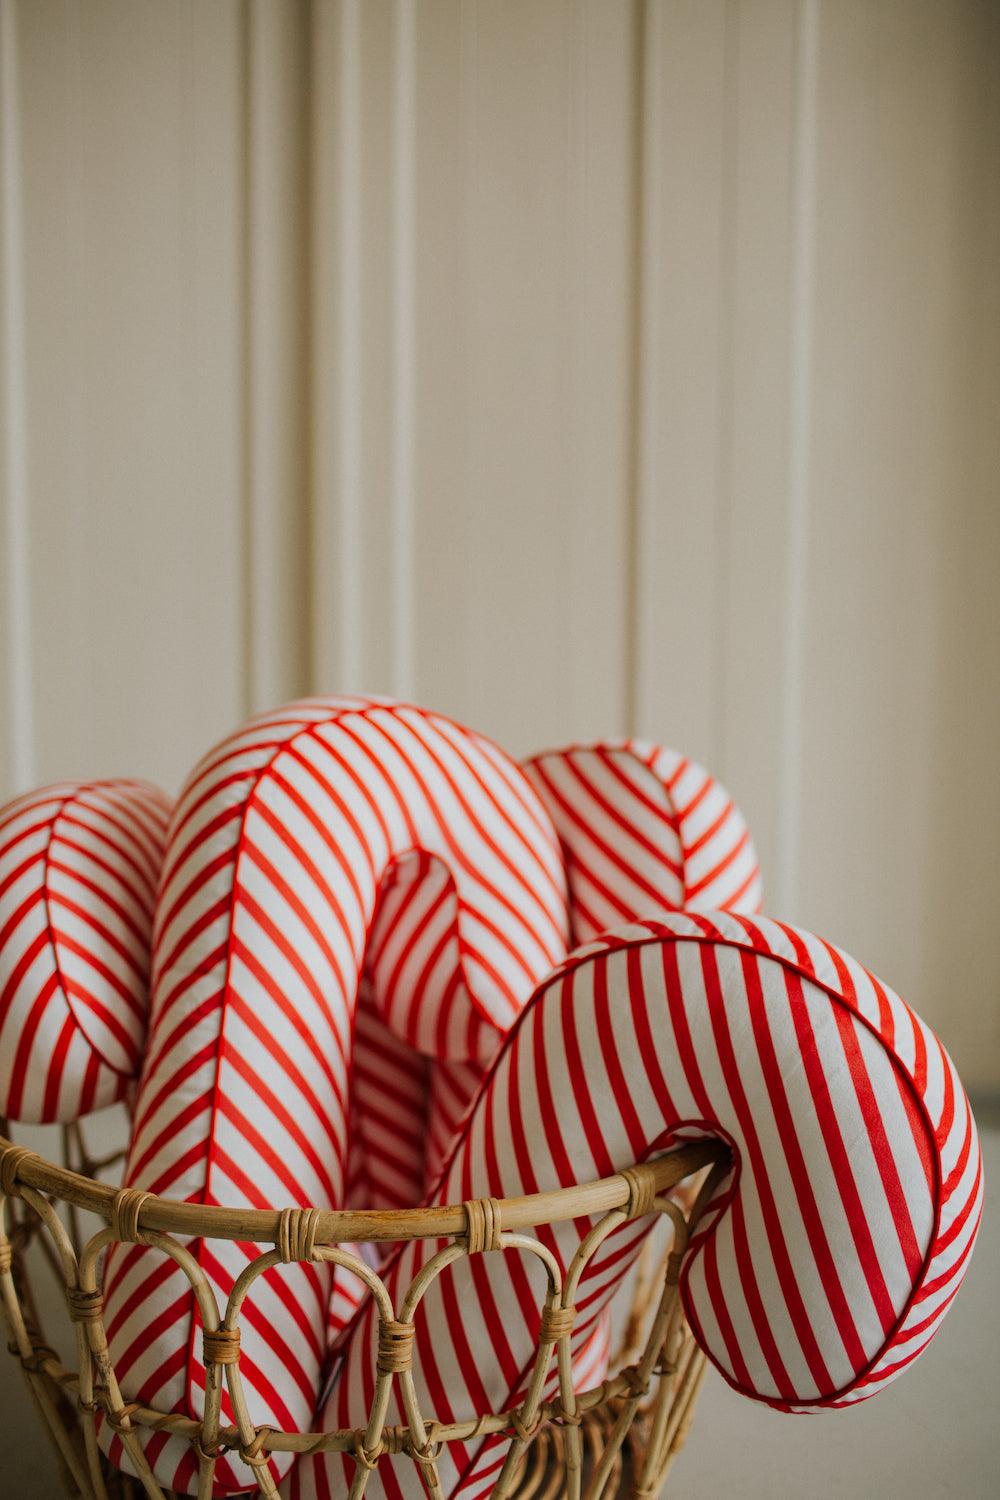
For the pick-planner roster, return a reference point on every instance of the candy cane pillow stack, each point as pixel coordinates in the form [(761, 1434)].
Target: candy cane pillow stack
[(286, 843), (411, 938), (359, 847), (830, 1252), (644, 831), (78, 869)]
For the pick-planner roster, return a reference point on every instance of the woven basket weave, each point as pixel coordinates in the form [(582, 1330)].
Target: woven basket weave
[(618, 1439)]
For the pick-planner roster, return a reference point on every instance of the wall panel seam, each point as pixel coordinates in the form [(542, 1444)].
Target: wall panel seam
[(645, 333), (348, 499), (726, 387), (803, 231), (20, 710), (249, 539), (403, 501)]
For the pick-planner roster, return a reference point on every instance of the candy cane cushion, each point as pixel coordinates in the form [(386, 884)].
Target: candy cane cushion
[(285, 840), (409, 946), (389, 1088), (830, 1252), (645, 831), (79, 863)]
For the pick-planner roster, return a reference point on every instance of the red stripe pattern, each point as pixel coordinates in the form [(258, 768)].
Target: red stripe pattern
[(389, 1087), (411, 947), (78, 868), (644, 830), (287, 854), (828, 1256)]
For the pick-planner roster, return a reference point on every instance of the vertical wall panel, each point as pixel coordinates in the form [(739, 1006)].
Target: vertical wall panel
[(754, 668), (356, 609), (525, 247), (335, 342), (403, 221), (812, 508), (685, 353), (276, 428), (131, 154), (473, 246), (895, 729), (963, 941), (715, 341), (885, 494), (716, 336), (17, 738)]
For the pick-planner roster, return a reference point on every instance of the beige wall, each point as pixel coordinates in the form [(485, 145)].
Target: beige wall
[(575, 367)]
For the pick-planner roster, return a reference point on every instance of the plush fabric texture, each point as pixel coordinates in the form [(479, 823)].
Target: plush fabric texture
[(830, 1252), (389, 1088), (644, 831), (78, 868), (411, 936), (289, 847)]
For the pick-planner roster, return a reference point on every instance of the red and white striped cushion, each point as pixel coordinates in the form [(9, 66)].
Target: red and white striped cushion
[(286, 846), (79, 863), (644, 831), (412, 935), (389, 1088), (829, 1254)]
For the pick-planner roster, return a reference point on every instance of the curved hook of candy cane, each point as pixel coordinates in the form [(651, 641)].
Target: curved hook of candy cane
[(645, 831), (827, 1258), (79, 865)]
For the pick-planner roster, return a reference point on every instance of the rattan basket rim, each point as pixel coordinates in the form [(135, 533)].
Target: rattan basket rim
[(169, 1215)]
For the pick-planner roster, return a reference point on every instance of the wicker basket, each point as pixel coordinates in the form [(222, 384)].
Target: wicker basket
[(617, 1439)]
